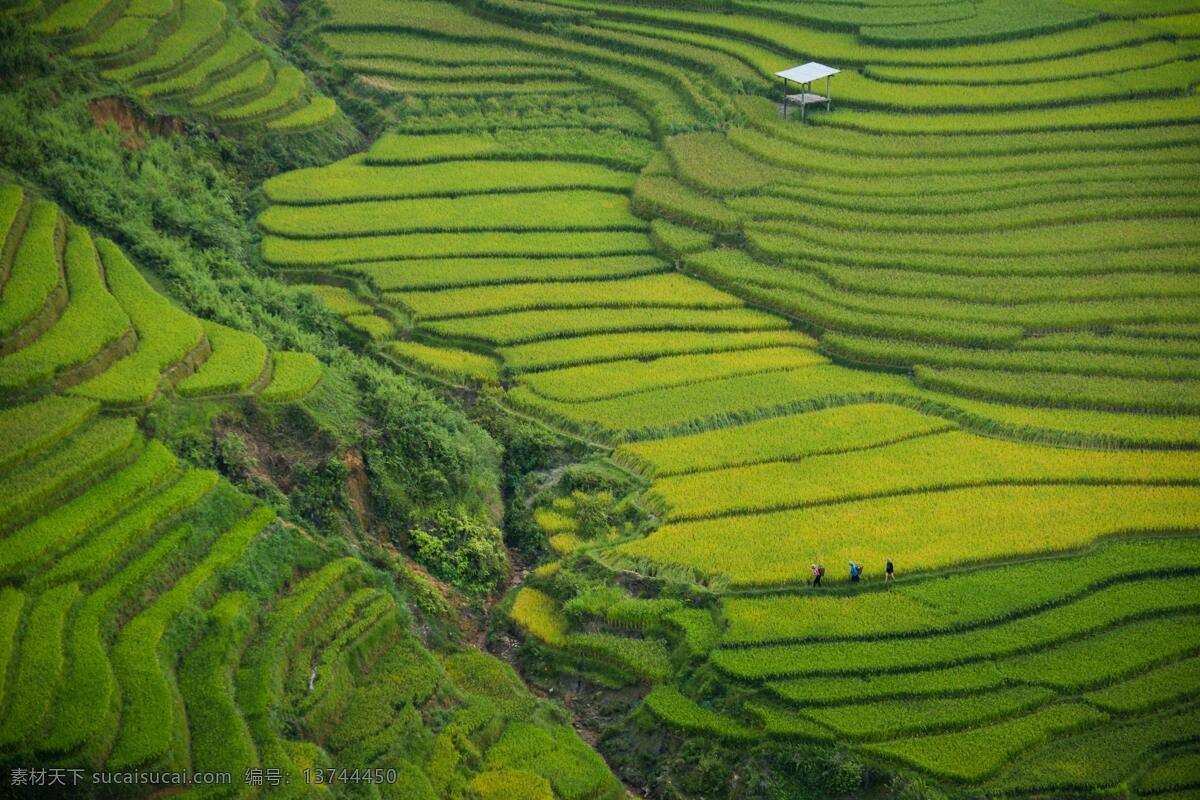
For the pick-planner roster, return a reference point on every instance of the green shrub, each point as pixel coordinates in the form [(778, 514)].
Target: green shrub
[(463, 552)]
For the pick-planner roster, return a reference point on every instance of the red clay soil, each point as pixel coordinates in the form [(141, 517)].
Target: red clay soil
[(133, 124)]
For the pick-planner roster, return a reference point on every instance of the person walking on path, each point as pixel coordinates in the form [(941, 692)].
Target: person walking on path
[(818, 572), (888, 574), (855, 571)]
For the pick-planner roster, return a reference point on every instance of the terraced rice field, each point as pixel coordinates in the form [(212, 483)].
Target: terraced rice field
[(85, 323), (188, 56), (952, 322), (153, 617)]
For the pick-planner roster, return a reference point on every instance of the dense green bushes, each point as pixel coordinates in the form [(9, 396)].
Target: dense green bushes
[(461, 552)]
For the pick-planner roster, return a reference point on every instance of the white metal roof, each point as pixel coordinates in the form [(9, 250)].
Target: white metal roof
[(808, 72)]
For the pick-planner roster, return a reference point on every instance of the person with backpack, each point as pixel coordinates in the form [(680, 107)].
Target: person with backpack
[(888, 574), (818, 572), (855, 570)]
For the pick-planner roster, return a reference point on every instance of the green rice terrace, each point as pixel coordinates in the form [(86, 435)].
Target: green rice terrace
[(530, 399)]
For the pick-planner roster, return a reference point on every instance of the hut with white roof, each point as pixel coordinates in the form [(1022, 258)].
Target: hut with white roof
[(803, 76)]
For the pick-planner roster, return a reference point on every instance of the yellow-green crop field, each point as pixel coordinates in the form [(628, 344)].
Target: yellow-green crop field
[(949, 321), (987, 254)]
